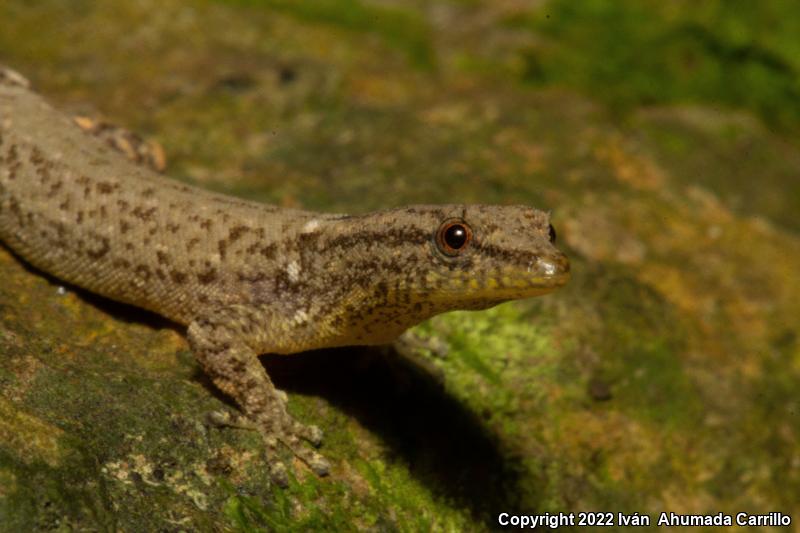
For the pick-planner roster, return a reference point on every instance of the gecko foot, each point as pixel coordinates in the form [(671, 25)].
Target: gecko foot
[(226, 344), (138, 150), (291, 436), (296, 437)]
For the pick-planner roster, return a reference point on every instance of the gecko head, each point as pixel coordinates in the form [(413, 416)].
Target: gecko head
[(484, 255), (468, 257)]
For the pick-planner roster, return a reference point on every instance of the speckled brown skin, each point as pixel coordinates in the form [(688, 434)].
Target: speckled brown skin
[(248, 278)]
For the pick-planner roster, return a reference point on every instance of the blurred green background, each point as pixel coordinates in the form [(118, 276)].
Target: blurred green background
[(664, 377)]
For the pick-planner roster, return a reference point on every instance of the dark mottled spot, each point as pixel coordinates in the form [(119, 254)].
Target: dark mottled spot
[(269, 251), (144, 214), (102, 250), (206, 224), (124, 226), (308, 241), (173, 228), (390, 238), (148, 192), (207, 277), (236, 232), (382, 289), (507, 255), (105, 187), (222, 246), (55, 187), (192, 243), (12, 160), (36, 157), (251, 278), (44, 172), (143, 271), (162, 257), (13, 206), (283, 283), (178, 277)]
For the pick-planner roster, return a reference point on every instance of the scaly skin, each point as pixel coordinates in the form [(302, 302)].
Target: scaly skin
[(248, 278)]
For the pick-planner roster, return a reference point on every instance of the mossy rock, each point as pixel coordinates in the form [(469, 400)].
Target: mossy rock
[(664, 377)]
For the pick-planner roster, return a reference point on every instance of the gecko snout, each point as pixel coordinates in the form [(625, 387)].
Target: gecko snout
[(554, 268)]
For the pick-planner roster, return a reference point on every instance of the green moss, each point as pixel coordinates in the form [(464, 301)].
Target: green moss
[(395, 502), (630, 53), (401, 29), (280, 513), (492, 352), (642, 350)]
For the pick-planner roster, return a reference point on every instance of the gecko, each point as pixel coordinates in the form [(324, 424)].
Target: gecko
[(247, 278)]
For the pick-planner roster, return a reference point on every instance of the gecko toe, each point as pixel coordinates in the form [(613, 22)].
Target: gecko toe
[(312, 434), (316, 462), (319, 465), (279, 474), (308, 432), (229, 419), (298, 439)]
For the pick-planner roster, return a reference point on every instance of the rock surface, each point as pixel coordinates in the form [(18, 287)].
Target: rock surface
[(664, 377)]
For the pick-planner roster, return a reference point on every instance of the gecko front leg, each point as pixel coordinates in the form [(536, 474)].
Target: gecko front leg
[(226, 343)]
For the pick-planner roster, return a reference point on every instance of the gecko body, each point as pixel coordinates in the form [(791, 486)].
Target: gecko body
[(248, 278)]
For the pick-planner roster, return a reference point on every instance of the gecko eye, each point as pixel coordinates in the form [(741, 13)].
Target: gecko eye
[(453, 236), (552, 234)]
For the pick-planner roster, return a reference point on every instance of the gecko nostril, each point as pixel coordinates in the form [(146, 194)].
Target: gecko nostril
[(551, 234)]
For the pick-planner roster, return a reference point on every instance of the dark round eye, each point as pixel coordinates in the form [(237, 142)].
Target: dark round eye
[(552, 234), (453, 236)]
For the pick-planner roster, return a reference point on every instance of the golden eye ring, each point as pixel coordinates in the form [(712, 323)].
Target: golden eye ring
[(453, 237)]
